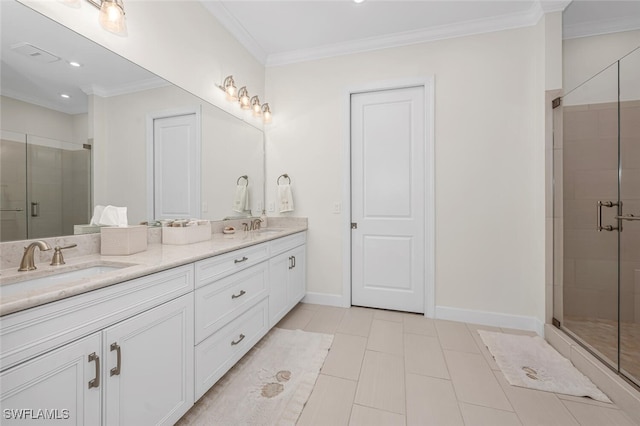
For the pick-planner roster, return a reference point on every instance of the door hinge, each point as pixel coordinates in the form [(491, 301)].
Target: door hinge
[(354, 225), (556, 102)]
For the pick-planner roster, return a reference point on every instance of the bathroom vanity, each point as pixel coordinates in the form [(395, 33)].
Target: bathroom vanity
[(139, 345)]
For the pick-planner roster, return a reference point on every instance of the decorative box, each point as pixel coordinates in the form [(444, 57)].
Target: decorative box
[(186, 234), (123, 240)]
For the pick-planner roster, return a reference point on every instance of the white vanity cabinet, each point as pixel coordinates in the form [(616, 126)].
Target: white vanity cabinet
[(65, 382), (286, 275), (231, 311), (134, 367)]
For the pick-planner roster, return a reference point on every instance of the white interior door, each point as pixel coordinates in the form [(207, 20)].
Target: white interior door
[(388, 167), (176, 167)]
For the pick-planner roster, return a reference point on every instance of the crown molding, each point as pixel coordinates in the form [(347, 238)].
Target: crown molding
[(587, 29), (236, 29), (67, 109), (461, 29), (138, 86), (505, 22)]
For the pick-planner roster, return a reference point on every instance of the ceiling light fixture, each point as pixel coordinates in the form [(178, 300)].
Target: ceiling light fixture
[(111, 16), (75, 64), (243, 98), (64, 95)]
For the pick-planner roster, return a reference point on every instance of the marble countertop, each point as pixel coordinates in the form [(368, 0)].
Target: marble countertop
[(156, 258)]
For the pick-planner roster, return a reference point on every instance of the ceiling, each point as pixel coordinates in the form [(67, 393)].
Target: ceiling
[(277, 32)]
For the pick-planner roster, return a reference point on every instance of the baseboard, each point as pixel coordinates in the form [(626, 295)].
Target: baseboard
[(494, 319), (324, 299)]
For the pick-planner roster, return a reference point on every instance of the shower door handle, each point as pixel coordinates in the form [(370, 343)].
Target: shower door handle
[(35, 209), (599, 226)]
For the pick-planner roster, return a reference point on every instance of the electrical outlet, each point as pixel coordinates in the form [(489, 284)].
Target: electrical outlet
[(272, 207), (337, 207), (205, 207)]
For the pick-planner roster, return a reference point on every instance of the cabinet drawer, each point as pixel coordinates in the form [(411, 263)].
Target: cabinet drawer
[(223, 265), (287, 243), (219, 302), (217, 354), (34, 331)]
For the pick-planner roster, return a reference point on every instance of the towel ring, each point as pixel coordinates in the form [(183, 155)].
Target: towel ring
[(245, 177), (286, 176)]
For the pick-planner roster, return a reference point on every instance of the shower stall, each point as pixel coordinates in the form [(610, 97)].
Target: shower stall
[(597, 215), (45, 186)]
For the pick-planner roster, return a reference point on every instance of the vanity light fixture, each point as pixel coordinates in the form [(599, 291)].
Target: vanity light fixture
[(266, 113), (111, 16), (243, 98), (255, 106), (229, 86)]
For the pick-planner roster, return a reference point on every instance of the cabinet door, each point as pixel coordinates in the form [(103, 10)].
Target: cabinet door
[(278, 283), (55, 386), (296, 282), (149, 366)]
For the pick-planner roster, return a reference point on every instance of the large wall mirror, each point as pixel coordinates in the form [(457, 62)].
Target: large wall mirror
[(60, 156)]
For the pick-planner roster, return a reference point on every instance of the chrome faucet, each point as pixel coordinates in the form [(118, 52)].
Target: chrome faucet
[(27, 263)]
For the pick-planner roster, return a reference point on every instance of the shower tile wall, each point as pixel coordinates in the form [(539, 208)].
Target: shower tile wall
[(590, 169)]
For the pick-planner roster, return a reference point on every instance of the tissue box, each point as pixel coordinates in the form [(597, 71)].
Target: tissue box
[(123, 240), (186, 234)]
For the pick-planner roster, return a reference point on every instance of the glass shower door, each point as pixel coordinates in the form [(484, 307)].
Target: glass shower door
[(589, 207), (599, 188), (13, 186), (629, 221)]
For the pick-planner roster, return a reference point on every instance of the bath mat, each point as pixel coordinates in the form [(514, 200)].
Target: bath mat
[(269, 385), (530, 362)]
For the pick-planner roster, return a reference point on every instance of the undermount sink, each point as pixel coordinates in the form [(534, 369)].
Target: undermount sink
[(269, 231), (75, 274)]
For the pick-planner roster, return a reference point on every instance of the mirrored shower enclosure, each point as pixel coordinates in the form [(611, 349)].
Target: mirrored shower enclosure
[(45, 186), (597, 215)]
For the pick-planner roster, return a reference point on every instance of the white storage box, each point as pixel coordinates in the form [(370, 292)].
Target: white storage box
[(123, 240), (186, 234)]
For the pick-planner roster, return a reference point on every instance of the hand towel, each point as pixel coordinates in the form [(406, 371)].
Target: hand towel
[(285, 198), (241, 200)]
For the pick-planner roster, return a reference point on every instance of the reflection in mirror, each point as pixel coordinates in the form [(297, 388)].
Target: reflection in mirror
[(110, 105)]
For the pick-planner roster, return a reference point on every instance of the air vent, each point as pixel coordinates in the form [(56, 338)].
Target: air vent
[(34, 52)]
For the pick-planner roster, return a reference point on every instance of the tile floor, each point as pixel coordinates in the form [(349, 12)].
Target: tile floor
[(390, 368)]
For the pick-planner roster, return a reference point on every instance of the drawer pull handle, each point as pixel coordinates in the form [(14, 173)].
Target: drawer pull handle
[(235, 296), (95, 382), (240, 339), (115, 371), (244, 259)]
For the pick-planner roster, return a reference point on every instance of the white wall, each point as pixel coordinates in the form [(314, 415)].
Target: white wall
[(489, 125), (24, 117)]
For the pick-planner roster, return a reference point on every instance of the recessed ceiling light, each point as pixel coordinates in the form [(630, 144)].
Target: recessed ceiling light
[(358, 1), (75, 64), (64, 95)]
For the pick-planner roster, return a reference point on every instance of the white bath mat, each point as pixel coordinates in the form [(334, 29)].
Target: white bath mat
[(268, 386), (530, 362)]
